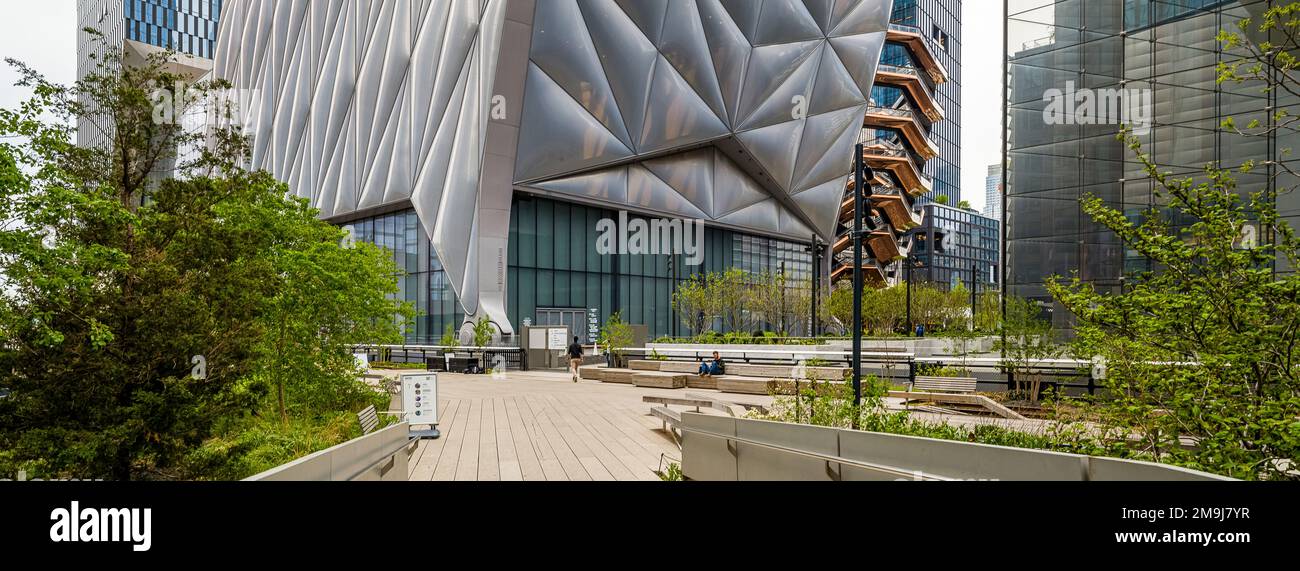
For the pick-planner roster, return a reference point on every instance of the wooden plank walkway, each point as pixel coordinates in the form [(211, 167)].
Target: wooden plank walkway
[(538, 426)]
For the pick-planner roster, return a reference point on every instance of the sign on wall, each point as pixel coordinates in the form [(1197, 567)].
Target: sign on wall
[(559, 339)]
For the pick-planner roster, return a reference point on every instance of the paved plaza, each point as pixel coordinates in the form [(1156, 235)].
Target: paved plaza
[(543, 426)]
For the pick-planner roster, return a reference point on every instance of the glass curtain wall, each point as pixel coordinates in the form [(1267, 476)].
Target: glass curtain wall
[(555, 272), (554, 266), (1078, 72)]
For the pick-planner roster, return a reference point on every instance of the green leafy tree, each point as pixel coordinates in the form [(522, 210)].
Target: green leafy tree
[(1203, 350), (144, 291), (730, 291), (693, 303), (449, 337), (1026, 339), (883, 309), (329, 299), (775, 299), (617, 337)]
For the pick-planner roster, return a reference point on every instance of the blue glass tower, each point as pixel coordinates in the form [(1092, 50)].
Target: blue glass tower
[(940, 21), (187, 26)]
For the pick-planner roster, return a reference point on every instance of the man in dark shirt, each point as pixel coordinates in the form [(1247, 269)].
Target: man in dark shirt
[(714, 367), (575, 358)]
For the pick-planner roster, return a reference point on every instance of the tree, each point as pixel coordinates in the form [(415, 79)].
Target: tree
[(883, 309), (773, 299), (616, 336), (840, 307), (329, 299), (730, 291), (988, 311), (144, 291), (1205, 347), (1026, 339), (693, 303)]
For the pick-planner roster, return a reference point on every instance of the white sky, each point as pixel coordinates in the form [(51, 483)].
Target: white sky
[(44, 33)]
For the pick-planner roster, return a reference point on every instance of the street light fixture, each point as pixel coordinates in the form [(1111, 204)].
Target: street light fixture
[(861, 190)]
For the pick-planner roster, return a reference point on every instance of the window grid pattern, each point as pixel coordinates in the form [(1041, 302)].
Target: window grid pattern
[(187, 26)]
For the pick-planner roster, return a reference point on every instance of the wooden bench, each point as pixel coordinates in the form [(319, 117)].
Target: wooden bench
[(657, 380), (591, 372), (368, 418), (644, 365), (620, 376), (961, 385), (679, 401), (730, 407), (671, 420), (956, 398), (787, 371)]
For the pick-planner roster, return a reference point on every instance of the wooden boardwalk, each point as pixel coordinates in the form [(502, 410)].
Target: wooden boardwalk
[(542, 426)]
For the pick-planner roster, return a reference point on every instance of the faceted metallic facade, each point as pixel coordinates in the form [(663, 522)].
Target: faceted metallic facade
[(742, 113)]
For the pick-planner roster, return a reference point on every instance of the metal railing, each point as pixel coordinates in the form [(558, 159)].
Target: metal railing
[(722, 448), (381, 455), (432, 355)]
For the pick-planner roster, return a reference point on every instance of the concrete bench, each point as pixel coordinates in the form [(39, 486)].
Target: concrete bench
[(964, 385), (657, 380)]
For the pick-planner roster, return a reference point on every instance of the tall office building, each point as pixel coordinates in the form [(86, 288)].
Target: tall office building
[(1079, 71), (490, 143), (143, 27), (940, 22), (993, 193), (969, 255)]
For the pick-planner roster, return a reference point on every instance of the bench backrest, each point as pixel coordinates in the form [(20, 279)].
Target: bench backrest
[(368, 418), (945, 384)]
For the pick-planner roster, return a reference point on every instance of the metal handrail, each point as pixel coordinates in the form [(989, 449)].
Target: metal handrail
[(829, 459)]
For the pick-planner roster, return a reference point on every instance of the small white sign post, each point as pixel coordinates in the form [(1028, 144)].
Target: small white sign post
[(420, 402)]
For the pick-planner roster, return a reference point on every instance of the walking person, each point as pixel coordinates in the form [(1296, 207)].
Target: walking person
[(575, 358)]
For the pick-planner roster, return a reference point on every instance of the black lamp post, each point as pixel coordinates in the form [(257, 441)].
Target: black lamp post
[(861, 189), (909, 262)]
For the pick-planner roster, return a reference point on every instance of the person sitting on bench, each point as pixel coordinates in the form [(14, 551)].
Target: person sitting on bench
[(714, 367)]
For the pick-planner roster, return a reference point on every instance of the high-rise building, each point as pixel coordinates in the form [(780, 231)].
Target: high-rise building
[(493, 144), (993, 193), (911, 136), (940, 22), (968, 254), (140, 28), (1080, 71)]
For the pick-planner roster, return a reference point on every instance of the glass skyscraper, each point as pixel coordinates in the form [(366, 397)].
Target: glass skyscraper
[(970, 249), (1078, 72), (141, 26), (939, 20)]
